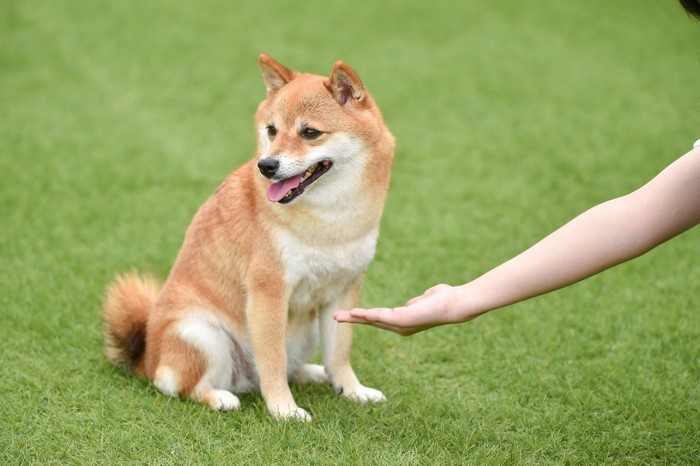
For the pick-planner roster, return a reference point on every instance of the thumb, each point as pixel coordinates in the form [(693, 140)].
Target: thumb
[(428, 293)]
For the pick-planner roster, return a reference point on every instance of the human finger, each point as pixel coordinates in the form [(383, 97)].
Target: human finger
[(346, 316), (363, 317), (427, 293), (377, 314)]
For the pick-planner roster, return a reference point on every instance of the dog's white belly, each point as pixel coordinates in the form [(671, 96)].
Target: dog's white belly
[(318, 275)]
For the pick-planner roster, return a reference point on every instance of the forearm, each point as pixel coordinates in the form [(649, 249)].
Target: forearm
[(599, 238), (604, 236)]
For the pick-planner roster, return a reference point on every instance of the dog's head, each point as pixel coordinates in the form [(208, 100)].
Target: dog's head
[(313, 128)]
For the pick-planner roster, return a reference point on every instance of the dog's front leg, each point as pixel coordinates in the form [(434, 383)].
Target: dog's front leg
[(337, 340), (267, 326)]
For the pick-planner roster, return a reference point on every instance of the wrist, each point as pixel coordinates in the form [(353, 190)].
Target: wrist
[(464, 305)]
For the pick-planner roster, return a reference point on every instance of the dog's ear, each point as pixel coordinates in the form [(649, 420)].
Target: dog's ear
[(274, 74), (345, 85)]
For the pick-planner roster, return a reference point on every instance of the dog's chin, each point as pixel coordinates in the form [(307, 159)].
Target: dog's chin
[(310, 176)]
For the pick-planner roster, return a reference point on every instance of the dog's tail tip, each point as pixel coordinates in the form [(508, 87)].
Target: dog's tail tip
[(127, 304)]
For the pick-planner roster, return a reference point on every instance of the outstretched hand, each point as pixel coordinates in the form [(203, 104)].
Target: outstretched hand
[(608, 234), (437, 306)]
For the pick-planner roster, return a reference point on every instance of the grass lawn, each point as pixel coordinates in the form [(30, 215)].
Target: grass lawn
[(118, 119)]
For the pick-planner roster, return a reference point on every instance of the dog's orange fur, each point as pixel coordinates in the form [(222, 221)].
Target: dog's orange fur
[(253, 277)]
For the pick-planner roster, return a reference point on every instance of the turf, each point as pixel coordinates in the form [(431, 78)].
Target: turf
[(117, 119)]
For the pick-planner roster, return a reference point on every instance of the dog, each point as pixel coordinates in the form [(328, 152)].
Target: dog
[(281, 244)]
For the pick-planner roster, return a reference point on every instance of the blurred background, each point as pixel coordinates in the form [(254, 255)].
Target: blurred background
[(118, 119)]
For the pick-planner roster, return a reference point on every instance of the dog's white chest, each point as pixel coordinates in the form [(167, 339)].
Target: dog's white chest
[(318, 275)]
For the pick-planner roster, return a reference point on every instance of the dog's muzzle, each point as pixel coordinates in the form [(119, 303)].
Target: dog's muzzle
[(268, 166)]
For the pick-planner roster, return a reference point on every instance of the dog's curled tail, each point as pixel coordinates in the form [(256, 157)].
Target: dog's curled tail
[(127, 303)]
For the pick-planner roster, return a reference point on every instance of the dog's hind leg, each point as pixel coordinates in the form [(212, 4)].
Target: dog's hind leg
[(309, 373), (299, 349), (202, 367), (216, 399)]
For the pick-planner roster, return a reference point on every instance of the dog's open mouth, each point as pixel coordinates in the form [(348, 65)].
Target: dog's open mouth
[(287, 190)]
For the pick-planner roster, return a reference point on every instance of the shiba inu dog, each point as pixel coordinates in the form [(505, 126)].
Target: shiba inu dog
[(281, 244)]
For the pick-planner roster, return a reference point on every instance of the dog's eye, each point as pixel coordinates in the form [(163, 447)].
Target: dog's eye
[(310, 133), (271, 131)]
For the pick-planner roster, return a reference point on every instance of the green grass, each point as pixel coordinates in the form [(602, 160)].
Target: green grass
[(117, 120)]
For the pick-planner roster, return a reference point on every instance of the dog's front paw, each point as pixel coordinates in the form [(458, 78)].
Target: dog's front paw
[(284, 413), (362, 394)]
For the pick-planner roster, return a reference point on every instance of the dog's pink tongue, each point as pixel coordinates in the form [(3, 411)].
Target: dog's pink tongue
[(276, 191)]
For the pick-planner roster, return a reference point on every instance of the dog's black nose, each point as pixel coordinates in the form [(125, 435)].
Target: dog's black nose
[(268, 166)]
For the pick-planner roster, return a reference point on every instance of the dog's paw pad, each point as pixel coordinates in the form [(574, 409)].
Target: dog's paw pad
[(223, 400), (362, 394)]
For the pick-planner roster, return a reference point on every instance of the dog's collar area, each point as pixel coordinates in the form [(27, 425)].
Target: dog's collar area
[(287, 190)]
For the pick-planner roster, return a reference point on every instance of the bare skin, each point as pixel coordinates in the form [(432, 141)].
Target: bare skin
[(604, 236)]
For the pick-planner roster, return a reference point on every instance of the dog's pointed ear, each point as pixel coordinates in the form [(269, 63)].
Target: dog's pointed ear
[(274, 74), (345, 85)]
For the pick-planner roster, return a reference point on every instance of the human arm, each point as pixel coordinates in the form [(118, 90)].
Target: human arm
[(604, 236)]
